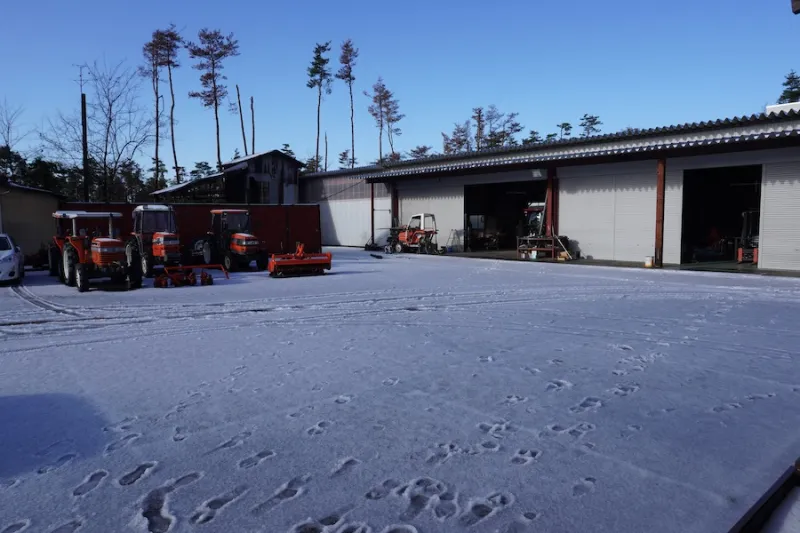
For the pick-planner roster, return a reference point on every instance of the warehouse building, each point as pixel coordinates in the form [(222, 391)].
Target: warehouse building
[(679, 194), (26, 213)]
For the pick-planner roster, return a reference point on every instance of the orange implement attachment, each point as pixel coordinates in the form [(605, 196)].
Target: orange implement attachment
[(299, 262), (180, 276)]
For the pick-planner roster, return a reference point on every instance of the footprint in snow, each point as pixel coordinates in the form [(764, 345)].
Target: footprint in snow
[(588, 404), (8, 483), (486, 359), (344, 466), (624, 390), (255, 460), (318, 428), (91, 482), (389, 382), (381, 491), (726, 407), (514, 399), (236, 440), (531, 370), (58, 463), (756, 397), (121, 443), (209, 510), (558, 385), (180, 434), (288, 491), (552, 430), (344, 398), (70, 527), (479, 510), (16, 527), (584, 487), (355, 527), (556, 362), (525, 457), (447, 506), (404, 528), (136, 474), (579, 430)]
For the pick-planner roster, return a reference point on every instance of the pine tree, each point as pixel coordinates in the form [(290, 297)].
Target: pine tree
[(212, 50), (378, 109), (420, 152), (319, 77), (480, 127), (170, 43), (564, 130), (791, 88), (201, 170), (532, 138), (590, 124), (347, 60), (288, 151)]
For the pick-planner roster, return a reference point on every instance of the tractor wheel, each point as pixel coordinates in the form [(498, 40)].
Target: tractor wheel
[(229, 263), (398, 248), (207, 255), (52, 261), (134, 271), (147, 265), (69, 261), (82, 277)]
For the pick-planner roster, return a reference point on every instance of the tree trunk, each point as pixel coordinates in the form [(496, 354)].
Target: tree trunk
[(241, 118), (352, 130), (253, 122), (319, 108), (158, 125), (326, 152), (216, 120), (172, 125)]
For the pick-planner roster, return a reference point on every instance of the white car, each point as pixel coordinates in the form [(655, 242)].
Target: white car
[(12, 260)]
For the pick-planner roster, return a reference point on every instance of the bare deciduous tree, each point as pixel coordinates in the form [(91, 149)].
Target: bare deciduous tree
[(118, 127), (9, 125)]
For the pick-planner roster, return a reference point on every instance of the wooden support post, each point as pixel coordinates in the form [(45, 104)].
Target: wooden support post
[(550, 203), (372, 211), (661, 179)]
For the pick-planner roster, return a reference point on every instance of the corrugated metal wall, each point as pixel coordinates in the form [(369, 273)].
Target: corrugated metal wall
[(281, 226), (344, 204), (779, 240), (673, 215), (28, 218), (609, 211)]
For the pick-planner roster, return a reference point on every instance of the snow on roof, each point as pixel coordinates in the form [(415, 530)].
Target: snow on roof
[(152, 207), (260, 154), (86, 214)]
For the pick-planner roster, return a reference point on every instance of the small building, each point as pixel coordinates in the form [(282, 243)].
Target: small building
[(265, 178), (26, 213), (681, 194)]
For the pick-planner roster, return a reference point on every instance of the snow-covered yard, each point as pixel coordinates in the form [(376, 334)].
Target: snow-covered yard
[(402, 394)]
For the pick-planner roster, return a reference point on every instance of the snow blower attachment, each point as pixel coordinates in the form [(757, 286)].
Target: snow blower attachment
[(299, 263), (181, 276)]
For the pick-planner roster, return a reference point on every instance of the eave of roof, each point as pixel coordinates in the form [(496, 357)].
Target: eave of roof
[(260, 154), (13, 185), (727, 131)]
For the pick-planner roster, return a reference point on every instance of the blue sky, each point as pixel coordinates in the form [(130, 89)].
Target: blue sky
[(632, 62)]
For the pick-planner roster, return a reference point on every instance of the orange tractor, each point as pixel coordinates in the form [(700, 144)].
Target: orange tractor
[(155, 237), (418, 235), (90, 254), (231, 242)]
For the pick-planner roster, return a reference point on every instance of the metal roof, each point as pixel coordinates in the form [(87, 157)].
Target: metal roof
[(260, 154), (86, 214), (152, 207), (735, 130), (183, 185)]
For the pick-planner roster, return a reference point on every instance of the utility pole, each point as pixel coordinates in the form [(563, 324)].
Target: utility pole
[(241, 118), (84, 140), (253, 122)]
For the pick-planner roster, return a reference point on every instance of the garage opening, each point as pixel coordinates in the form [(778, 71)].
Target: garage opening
[(720, 217), (494, 213)]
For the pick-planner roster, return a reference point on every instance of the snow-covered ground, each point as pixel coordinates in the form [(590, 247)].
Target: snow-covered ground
[(402, 394)]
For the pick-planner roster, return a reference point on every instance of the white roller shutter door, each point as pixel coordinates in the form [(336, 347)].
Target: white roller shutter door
[(779, 239), (673, 215), (609, 211), (347, 222)]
